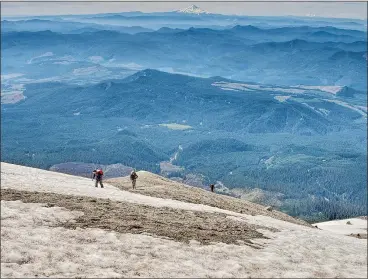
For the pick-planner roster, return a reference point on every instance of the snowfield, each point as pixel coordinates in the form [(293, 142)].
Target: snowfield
[(256, 87), (345, 227), (35, 242), (193, 9), (332, 89), (31, 179)]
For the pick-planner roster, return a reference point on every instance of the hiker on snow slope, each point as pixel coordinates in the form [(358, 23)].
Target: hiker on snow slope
[(98, 175), (133, 178), (212, 187)]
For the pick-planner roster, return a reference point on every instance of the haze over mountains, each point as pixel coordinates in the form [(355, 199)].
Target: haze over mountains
[(272, 104), (284, 56)]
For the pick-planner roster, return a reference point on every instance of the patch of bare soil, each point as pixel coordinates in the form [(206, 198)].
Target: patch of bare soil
[(156, 186), (179, 225), (359, 235)]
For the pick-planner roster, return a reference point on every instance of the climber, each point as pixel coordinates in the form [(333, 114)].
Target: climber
[(133, 178), (98, 175)]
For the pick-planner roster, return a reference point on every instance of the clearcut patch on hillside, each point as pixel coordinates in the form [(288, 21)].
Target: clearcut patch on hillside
[(175, 126)]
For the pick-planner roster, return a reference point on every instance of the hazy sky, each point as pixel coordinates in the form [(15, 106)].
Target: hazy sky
[(347, 9)]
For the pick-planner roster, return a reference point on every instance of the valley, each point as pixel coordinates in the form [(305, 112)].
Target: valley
[(268, 109)]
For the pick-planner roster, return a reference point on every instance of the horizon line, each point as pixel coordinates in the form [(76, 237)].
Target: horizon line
[(175, 11)]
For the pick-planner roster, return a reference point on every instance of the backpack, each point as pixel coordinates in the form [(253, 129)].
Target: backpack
[(99, 172), (133, 175)]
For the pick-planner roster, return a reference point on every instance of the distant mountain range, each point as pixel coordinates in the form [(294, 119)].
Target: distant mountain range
[(286, 56), (62, 26), (194, 16)]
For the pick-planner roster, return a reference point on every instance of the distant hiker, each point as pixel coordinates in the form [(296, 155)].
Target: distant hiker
[(133, 178), (98, 175), (212, 187)]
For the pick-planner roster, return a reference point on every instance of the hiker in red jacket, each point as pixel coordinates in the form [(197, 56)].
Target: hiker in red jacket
[(98, 175)]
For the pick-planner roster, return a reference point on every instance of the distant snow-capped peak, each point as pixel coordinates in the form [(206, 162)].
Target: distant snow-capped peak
[(193, 9)]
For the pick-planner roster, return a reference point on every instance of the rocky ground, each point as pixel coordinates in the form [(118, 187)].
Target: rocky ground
[(161, 187)]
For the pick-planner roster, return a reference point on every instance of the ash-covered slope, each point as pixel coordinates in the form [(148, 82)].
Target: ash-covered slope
[(157, 186), (58, 225)]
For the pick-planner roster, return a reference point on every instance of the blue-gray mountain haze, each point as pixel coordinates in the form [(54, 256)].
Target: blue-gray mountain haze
[(273, 103)]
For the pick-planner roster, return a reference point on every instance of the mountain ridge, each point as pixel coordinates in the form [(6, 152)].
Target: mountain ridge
[(193, 9)]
